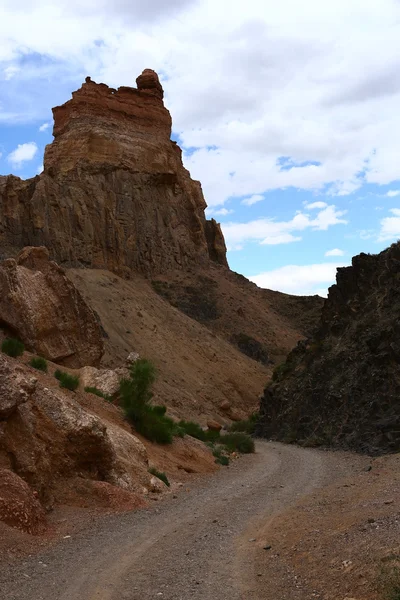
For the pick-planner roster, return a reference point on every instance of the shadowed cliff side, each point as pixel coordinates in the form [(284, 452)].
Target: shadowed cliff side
[(342, 386)]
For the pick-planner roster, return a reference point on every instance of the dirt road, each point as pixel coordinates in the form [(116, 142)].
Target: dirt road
[(202, 545)]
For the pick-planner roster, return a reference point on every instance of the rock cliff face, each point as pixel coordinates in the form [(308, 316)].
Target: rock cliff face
[(114, 193), (342, 387), (43, 308)]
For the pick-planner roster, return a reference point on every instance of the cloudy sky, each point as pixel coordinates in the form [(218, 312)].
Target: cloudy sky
[(288, 112)]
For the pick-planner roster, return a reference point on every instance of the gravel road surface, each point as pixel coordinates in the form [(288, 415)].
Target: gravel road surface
[(201, 545)]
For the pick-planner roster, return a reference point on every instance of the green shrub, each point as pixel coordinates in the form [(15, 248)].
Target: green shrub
[(155, 428), (179, 431), (38, 362), (238, 442), (12, 347), (248, 426), (97, 392), (70, 382), (135, 394), (193, 429), (160, 475), (212, 435), (222, 460), (220, 457)]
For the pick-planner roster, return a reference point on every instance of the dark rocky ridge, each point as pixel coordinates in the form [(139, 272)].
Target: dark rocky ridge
[(342, 386)]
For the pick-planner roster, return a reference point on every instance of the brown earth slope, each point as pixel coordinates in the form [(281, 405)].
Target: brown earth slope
[(343, 386), (198, 370), (263, 324)]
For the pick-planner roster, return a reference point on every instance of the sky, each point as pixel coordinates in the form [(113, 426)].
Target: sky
[(288, 113)]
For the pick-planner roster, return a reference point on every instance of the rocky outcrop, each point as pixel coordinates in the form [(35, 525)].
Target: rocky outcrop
[(342, 386), (19, 506), (114, 193), (42, 307), (47, 436)]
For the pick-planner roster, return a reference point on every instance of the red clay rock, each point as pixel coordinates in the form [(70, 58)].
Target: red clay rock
[(214, 425), (49, 438), (114, 193), (19, 507), (42, 307)]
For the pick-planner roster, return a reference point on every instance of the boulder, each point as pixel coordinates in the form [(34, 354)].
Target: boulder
[(157, 486), (42, 307), (105, 380), (48, 437), (214, 425), (19, 506)]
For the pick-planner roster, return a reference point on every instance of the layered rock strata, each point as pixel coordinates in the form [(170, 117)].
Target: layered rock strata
[(114, 193)]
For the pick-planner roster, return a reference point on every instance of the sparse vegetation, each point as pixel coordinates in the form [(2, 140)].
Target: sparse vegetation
[(247, 426), (160, 475), (70, 382), (193, 429), (39, 363), (238, 442), (97, 392), (12, 347), (135, 394), (220, 457)]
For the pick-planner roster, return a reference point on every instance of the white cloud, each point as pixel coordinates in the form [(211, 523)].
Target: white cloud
[(245, 88), (335, 252), (221, 212), (393, 193), (299, 279), (315, 205), (39, 169), (272, 232), (44, 127), (390, 226), (22, 153), (10, 72), (252, 199)]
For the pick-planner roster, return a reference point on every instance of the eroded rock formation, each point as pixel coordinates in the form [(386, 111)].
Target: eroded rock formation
[(114, 193), (342, 386), (43, 308), (46, 436)]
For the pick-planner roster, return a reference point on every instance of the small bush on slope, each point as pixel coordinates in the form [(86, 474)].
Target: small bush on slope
[(135, 395), (248, 426), (70, 382), (238, 442), (12, 347), (39, 363), (160, 475)]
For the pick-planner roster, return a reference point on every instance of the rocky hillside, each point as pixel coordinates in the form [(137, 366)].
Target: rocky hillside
[(342, 386), (114, 193)]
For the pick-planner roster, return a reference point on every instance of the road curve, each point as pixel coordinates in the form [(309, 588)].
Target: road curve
[(196, 546)]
